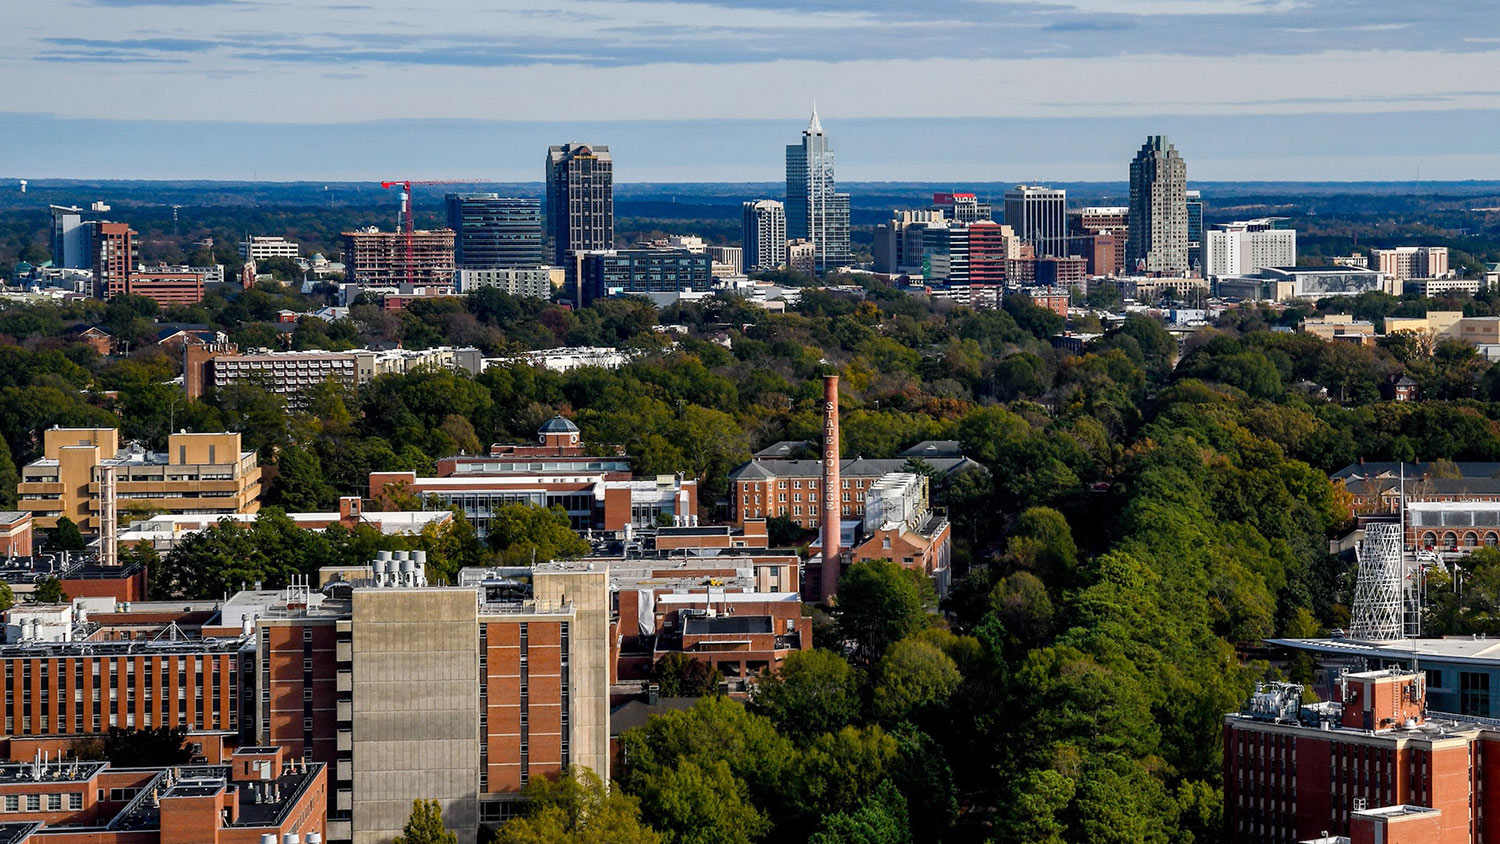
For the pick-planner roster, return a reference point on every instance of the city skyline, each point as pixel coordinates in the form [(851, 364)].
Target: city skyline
[(346, 90)]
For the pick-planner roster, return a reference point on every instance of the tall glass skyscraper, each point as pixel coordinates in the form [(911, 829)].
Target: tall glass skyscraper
[(1158, 210), (814, 211), (580, 199), (1195, 230), (495, 232)]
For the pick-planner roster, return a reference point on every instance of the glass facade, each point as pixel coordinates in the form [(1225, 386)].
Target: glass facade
[(495, 232)]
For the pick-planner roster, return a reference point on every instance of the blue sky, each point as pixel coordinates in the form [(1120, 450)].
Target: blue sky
[(908, 90)]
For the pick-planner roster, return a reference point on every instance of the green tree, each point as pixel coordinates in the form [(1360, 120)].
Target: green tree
[(814, 692), (7, 597), (524, 533), (693, 804), (576, 808), (782, 531), (1043, 543), (913, 676), (425, 825), (9, 478), (881, 818), (300, 487), (879, 604), (679, 675), (49, 591), (66, 537)]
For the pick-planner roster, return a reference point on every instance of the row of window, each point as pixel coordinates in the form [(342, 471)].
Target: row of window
[(54, 802)]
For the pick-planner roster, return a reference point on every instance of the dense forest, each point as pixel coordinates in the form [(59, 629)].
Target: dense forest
[(1150, 507)]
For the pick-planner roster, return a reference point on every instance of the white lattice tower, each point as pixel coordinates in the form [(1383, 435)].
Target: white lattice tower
[(1380, 591)]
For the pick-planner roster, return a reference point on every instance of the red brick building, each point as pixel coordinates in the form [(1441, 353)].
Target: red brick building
[(15, 533), (990, 245), (115, 248), (167, 287), (1296, 772), (258, 792)]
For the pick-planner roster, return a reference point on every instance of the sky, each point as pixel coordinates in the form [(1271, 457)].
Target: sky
[(908, 90)]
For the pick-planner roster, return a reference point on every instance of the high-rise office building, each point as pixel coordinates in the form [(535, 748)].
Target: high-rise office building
[(1404, 262), (1195, 229), (898, 243), (1158, 238), (580, 199), (963, 207), (764, 237), (494, 232), (1039, 216), (71, 239), (814, 211)]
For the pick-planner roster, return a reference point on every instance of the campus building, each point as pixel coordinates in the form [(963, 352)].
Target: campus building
[(1373, 756), (256, 795), (198, 473), (290, 374), (598, 493)]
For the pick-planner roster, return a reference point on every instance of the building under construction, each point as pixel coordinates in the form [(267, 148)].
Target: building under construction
[(374, 258)]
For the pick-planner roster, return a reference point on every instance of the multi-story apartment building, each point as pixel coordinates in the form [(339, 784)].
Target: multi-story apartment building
[(255, 796), (1039, 216), (198, 473), (815, 211), (763, 234), (260, 247), (494, 232), (373, 258), (1374, 756), (114, 250), (598, 493), (537, 282), (290, 374), (459, 694), (580, 200), (1158, 233), (1408, 262), (661, 274), (1241, 248)]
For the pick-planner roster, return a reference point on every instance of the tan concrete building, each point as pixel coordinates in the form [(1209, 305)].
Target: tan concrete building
[(1330, 326), (198, 473), (1435, 324)]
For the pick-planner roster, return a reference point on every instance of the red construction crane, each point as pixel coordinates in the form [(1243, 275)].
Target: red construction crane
[(406, 224)]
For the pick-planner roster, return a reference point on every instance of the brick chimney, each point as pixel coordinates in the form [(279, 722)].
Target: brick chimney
[(832, 515)]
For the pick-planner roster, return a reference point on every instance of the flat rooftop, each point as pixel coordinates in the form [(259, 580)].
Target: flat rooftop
[(727, 624), (12, 773), (1465, 650)]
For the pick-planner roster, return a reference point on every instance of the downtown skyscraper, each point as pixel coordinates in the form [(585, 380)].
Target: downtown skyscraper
[(492, 231), (814, 211), (580, 199), (1158, 239), (764, 235)]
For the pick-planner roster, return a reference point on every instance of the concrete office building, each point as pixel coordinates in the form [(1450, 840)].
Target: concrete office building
[(1284, 284), (198, 473), (661, 274), (1409, 262), (1158, 235), (373, 258), (801, 257), (460, 694), (899, 242), (491, 231), (814, 210), (1039, 217), (537, 282), (728, 261), (167, 287), (1241, 248), (1102, 232), (260, 247), (580, 200), (763, 234)]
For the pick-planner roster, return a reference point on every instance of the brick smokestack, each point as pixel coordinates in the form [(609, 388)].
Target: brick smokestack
[(832, 515)]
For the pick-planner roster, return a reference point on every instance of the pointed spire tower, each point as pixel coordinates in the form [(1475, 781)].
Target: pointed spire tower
[(815, 126), (815, 210)]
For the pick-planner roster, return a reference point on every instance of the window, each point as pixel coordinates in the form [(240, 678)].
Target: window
[(33, 802), (54, 802), (12, 802), (1434, 678), (1473, 693)]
